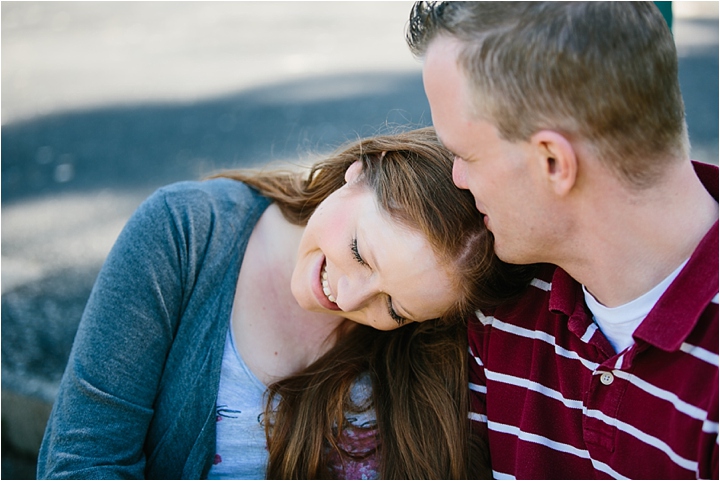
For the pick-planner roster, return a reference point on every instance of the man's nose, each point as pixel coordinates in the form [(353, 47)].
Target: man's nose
[(459, 173)]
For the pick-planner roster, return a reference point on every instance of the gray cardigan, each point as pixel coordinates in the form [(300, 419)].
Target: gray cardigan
[(137, 399)]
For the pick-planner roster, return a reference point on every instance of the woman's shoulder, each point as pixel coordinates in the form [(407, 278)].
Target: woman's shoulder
[(207, 200), (198, 213), (219, 191)]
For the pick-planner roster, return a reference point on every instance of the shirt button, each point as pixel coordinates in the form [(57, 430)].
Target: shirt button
[(607, 378)]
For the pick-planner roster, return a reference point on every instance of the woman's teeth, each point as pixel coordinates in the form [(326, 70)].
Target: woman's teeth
[(326, 285)]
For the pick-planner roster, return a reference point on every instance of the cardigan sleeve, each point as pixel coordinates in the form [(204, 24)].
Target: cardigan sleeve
[(99, 422)]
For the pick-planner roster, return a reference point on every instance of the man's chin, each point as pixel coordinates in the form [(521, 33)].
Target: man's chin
[(505, 254)]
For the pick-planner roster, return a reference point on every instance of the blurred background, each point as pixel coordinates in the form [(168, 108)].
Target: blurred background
[(103, 102)]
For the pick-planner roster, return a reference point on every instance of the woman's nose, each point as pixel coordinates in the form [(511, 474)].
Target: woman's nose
[(355, 291)]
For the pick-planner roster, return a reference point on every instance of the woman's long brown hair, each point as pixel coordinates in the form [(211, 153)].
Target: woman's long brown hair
[(419, 371)]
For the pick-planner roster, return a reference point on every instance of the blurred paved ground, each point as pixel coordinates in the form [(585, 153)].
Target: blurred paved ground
[(104, 102)]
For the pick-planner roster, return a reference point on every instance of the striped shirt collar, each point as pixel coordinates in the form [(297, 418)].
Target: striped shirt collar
[(676, 313)]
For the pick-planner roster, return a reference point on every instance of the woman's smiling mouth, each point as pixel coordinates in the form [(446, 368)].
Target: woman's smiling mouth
[(326, 284)]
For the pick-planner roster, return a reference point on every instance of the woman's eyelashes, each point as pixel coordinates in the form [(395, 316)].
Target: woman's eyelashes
[(356, 255), (396, 317)]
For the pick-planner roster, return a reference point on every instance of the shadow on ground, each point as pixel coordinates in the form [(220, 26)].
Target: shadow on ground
[(149, 145)]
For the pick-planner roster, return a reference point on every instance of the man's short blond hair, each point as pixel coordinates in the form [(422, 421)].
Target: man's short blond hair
[(603, 72)]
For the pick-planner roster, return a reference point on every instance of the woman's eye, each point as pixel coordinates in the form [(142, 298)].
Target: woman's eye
[(356, 253), (396, 317)]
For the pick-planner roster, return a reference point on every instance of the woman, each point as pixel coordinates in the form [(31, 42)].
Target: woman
[(216, 290)]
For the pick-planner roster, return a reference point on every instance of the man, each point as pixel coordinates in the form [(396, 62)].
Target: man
[(568, 126)]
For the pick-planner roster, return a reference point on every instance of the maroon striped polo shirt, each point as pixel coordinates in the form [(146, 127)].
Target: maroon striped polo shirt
[(556, 401)]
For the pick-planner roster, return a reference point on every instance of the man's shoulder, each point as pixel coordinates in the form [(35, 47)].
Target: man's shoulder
[(534, 302)]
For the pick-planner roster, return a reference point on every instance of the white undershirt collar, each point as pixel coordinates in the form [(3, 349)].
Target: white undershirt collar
[(619, 323)]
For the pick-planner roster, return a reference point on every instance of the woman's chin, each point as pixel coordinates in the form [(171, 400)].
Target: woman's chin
[(297, 292)]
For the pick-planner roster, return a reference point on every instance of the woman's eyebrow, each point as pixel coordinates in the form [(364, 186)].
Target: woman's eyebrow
[(373, 262), (369, 250)]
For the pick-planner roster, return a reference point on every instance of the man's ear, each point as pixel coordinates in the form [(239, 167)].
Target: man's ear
[(353, 173), (557, 159)]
